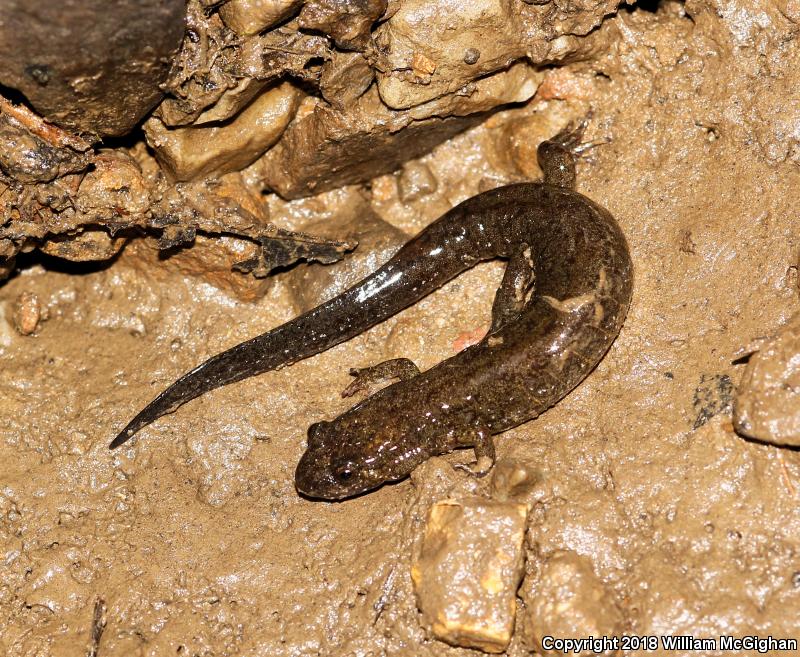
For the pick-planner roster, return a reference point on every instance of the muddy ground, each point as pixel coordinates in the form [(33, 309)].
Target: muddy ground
[(193, 536)]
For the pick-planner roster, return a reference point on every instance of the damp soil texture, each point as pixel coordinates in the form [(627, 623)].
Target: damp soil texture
[(288, 131)]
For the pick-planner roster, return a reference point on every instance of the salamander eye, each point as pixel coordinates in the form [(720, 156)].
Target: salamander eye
[(344, 474)]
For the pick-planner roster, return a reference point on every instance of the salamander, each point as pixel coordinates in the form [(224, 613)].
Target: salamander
[(562, 301)]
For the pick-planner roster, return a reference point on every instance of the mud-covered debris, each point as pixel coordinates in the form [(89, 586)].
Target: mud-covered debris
[(200, 72), (248, 17), (329, 148), (193, 152), (32, 150), (356, 222), (113, 192), (285, 51), (568, 600), (27, 313), (767, 403), (468, 569), (713, 395), (108, 199), (415, 181), (424, 58), (345, 77), (88, 245), (217, 72), (85, 67), (209, 207), (347, 22)]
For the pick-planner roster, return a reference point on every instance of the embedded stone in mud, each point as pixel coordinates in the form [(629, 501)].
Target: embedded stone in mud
[(85, 66), (468, 570), (569, 600), (192, 152), (767, 404)]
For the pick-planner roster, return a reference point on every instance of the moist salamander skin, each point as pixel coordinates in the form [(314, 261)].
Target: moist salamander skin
[(561, 304)]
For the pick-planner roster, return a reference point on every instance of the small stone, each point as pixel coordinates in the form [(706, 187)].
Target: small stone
[(472, 55), (468, 569), (88, 246), (767, 404), (569, 600), (415, 181), (27, 313), (422, 65)]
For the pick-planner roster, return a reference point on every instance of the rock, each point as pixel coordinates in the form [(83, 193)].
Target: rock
[(426, 59), (247, 17), (231, 102), (345, 77), (347, 22), (113, 190), (468, 569), (229, 209), (568, 600), (27, 313), (377, 242), (767, 403), (87, 66), (329, 148), (194, 152)]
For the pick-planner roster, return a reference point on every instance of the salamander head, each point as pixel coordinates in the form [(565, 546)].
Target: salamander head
[(346, 458)]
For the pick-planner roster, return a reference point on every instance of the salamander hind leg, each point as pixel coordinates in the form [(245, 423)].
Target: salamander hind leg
[(482, 443), (515, 290), (366, 377)]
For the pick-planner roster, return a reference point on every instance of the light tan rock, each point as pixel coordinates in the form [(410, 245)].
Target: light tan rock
[(426, 57), (27, 313), (767, 404), (468, 570), (247, 17), (187, 153)]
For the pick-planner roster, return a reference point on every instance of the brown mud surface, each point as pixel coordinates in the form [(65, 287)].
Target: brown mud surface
[(648, 513)]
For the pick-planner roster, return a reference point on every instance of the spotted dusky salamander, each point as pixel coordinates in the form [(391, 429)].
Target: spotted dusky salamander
[(561, 303)]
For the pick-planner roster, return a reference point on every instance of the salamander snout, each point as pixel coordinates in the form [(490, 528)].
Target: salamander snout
[(334, 465)]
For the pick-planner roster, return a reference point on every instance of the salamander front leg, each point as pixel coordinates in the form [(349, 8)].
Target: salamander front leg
[(482, 442), (366, 377), (515, 289)]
